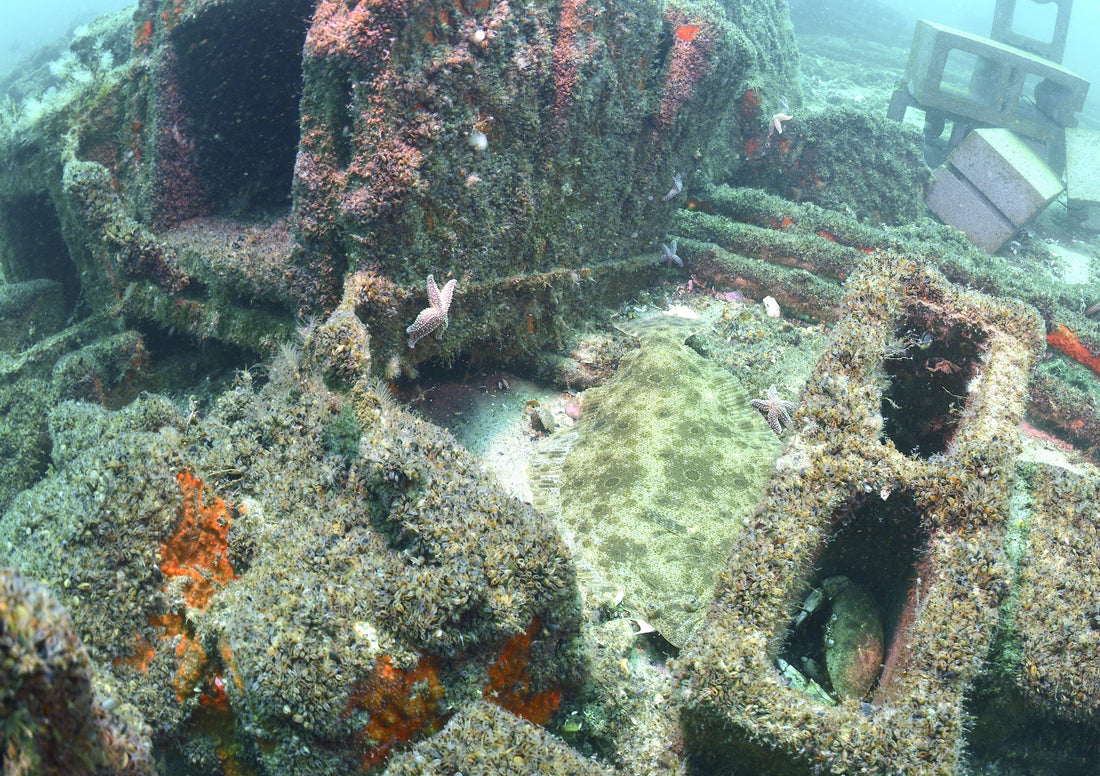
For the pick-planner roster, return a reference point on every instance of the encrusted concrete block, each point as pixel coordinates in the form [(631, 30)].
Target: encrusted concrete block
[(1083, 164), (994, 93), (957, 202), (1083, 172), (1004, 30), (1008, 173), (1058, 625), (990, 186), (899, 483)]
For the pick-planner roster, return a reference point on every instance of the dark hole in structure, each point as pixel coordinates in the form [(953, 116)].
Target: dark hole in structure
[(240, 71), (876, 547), (34, 248), (930, 363), (182, 366)]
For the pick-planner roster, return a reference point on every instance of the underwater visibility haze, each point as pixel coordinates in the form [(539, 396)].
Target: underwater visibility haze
[(642, 387)]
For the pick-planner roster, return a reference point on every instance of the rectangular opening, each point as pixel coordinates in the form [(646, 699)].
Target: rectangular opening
[(1038, 27), (1027, 104), (1036, 21), (970, 77)]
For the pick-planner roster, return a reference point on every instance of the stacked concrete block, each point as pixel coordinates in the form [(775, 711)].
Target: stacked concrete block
[(1012, 79), (1004, 30), (994, 95), (991, 186)]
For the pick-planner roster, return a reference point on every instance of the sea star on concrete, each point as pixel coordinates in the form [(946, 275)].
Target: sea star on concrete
[(775, 410), (434, 316), (775, 126)]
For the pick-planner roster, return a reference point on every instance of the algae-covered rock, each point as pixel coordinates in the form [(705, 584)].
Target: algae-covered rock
[(30, 311), (92, 533), (290, 620), (515, 138), (24, 441), (483, 738), (657, 477), (103, 371), (849, 160), (53, 718)]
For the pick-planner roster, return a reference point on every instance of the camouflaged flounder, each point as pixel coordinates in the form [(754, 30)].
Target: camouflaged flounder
[(653, 482)]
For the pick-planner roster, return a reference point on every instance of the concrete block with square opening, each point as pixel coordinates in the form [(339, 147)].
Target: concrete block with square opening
[(899, 479), (992, 83), (1049, 47), (991, 186)]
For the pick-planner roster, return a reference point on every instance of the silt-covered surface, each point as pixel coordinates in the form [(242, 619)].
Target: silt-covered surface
[(385, 577)]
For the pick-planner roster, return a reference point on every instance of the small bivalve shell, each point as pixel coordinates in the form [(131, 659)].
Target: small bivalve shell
[(477, 140)]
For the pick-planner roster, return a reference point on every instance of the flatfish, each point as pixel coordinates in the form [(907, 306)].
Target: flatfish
[(656, 478)]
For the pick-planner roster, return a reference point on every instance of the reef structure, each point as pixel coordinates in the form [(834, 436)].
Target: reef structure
[(489, 142), (210, 218), (313, 623), (899, 478), (800, 253), (55, 720), (522, 149)]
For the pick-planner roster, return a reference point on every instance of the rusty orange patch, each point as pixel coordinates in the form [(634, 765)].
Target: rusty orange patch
[(687, 32), (399, 704), (199, 549), (1062, 339), (510, 681)]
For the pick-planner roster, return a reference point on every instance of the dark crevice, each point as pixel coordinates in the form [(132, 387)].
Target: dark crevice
[(930, 364), (176, 360), (876, 549), (240, 78), (34, 248)]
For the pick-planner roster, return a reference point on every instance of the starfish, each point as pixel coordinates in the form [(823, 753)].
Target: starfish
[(775, 126), (434, 316), (777, 411), (669, 255)]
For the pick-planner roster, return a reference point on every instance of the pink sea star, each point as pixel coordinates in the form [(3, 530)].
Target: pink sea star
[(433, 317), (775, 127)]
